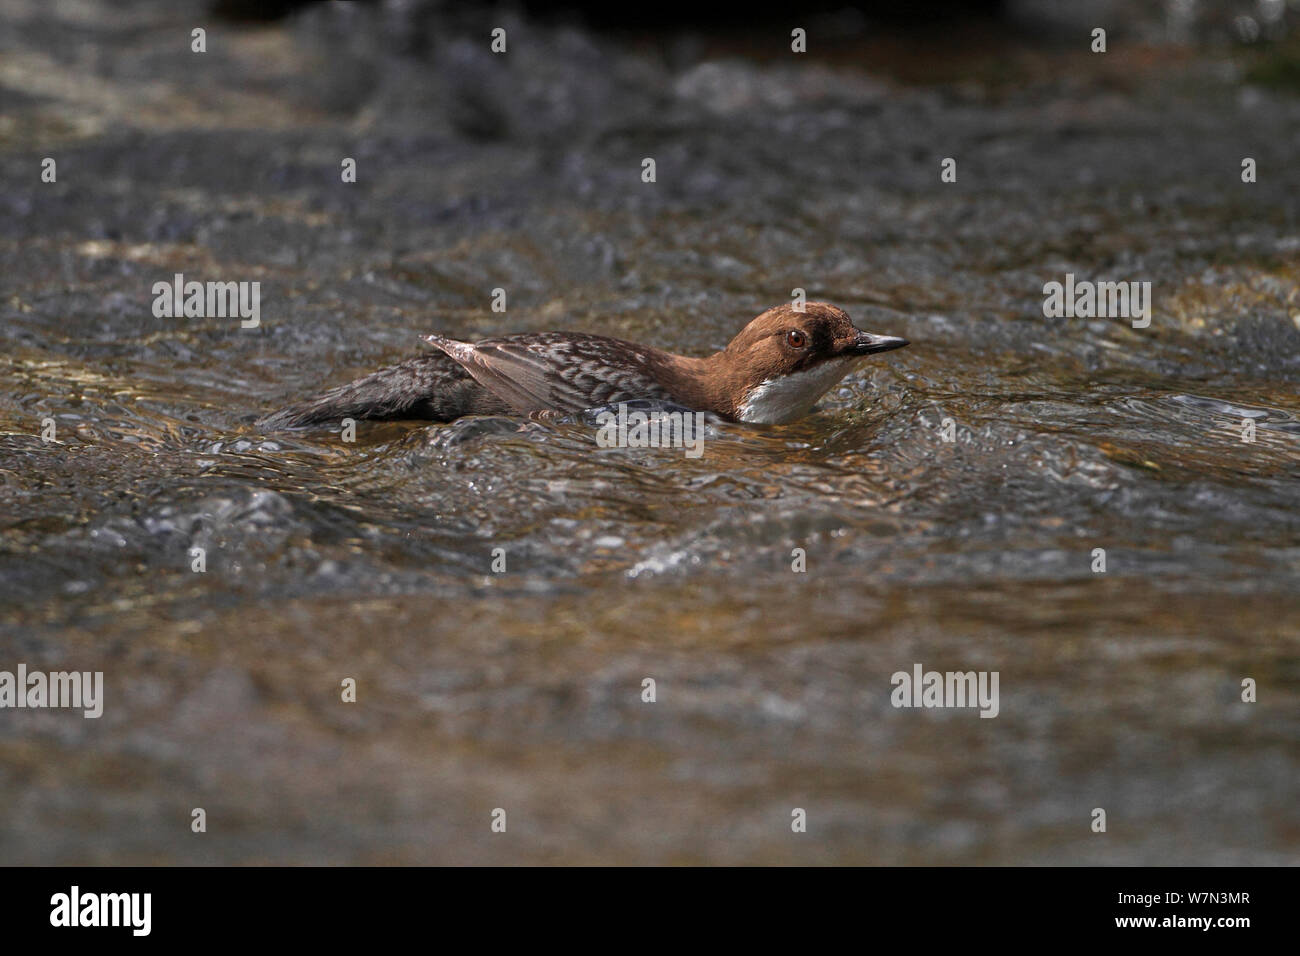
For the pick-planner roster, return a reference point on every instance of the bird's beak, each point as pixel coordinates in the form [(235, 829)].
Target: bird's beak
[(868, 343)]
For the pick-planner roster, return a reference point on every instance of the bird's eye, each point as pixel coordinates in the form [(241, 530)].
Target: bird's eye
[(796, 339)]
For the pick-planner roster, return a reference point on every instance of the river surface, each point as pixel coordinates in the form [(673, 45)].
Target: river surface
[(372, 560)]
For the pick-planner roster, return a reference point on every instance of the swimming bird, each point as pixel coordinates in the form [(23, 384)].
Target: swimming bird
[(772, 372)]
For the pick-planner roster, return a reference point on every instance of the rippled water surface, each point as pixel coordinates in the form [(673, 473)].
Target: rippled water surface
[(522, 690)]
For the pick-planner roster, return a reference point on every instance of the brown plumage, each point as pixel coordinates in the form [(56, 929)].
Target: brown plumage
[(773, 371)]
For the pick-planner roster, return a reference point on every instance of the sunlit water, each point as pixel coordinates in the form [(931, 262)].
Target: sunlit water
[(522, 690)]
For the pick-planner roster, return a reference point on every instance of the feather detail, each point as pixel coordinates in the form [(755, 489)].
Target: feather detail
[(560, 371)]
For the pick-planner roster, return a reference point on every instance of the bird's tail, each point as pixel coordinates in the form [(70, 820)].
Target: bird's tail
[(427, 386)]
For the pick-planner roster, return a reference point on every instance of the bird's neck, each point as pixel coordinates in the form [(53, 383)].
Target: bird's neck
[(713, 383)]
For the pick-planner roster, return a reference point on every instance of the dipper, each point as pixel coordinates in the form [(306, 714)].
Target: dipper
[(773, 372)]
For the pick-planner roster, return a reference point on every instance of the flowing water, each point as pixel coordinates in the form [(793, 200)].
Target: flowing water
[(1120, 689)]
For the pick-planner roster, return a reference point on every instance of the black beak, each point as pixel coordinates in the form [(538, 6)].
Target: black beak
[(868, 343)]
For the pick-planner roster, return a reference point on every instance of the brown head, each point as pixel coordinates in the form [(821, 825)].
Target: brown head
[(783, 361)]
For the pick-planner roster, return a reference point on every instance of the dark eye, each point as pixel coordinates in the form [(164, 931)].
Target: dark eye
[(796, 339)]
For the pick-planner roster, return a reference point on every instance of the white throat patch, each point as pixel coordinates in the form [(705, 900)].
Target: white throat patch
[(776, 401)]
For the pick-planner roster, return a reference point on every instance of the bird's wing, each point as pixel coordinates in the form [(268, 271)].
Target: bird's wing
[(526, 379)]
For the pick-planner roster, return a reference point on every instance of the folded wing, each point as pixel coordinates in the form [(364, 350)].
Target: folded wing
[(566, 372)]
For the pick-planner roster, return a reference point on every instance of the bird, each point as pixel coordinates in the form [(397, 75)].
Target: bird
[(773, 372)]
